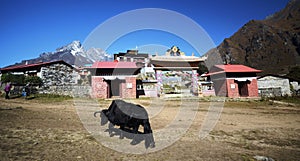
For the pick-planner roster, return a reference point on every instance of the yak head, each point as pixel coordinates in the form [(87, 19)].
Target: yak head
[(104, 115)]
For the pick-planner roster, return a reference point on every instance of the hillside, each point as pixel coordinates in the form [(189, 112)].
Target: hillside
[(271, 45)]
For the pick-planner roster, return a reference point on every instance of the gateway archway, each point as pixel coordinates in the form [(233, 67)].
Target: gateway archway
[(176, 73)]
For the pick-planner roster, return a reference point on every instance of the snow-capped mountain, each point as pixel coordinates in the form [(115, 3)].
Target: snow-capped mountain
[(97, 54), (75, 48), (74, 54)]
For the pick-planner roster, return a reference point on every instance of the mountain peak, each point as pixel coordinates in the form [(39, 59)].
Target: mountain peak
[(73, 54), (75, 48)]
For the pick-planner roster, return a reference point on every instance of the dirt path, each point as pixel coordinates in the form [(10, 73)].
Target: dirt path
[(33, 130)]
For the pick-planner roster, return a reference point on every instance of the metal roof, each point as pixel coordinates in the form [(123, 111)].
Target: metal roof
[(236, 68), (24, 67), (231, 68)]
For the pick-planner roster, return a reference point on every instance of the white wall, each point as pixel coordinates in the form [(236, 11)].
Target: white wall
[(275, 82)]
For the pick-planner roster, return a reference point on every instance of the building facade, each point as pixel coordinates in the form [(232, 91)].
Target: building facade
[(273, 85), (234, 80), (114, 79), (54, 73), (141, 59)]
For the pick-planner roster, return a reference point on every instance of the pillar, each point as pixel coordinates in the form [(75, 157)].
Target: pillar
[(159, 81), (195, 82)]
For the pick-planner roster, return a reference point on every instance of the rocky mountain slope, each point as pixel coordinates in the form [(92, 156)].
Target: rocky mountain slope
[(73, 54), (271, 45)]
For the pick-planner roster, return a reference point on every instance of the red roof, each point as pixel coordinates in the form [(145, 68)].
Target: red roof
[(25, 66), (232, 68), (229, 68), (113, 65)]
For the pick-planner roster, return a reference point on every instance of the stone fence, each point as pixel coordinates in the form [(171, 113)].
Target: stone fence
[(68, 90)]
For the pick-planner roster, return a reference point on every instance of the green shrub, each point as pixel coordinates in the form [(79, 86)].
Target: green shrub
[(21, 79), (14, 79), (33, 80)]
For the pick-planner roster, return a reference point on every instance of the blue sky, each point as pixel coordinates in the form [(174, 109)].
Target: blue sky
[(31, 27)]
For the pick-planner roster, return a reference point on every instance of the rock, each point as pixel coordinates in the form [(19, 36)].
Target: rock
[(263, 158)]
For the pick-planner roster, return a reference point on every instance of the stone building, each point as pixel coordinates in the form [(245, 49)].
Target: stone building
[(234, 80), (54, 73), (141, 59), (273, 85), (58, 77)]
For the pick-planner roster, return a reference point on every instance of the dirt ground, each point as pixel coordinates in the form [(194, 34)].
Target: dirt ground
[(45, 130)]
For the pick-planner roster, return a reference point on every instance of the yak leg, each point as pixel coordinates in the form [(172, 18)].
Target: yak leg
[(149, 140), (135, 134), (122, 128), (110, 129)]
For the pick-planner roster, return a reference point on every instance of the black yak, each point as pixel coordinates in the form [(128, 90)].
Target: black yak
[(128, 115)]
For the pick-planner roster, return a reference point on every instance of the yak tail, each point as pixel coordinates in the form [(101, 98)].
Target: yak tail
[(95, 113)]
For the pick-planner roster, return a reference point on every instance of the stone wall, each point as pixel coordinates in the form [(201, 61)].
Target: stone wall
[(70, 90), (268, 83), (58, 75), (296, 88), (149, 89), (270, 92)]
